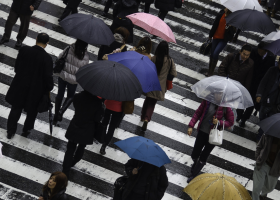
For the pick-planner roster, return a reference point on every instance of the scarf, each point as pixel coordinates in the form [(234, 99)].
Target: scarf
[(119, 38)]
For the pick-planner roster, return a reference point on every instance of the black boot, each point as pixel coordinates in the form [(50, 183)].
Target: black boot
[(58, 103), (198, 167), (64, 107), (102, 150), (194, 163)]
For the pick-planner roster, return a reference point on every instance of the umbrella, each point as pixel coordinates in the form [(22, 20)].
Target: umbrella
[(144, 149), (153, 25), (88, 28), (143, 68), (271, 37), (234, 5), (271, 125), (109, 80), (50, 117), (273, 47), (1, 155), (223, 92), (216, 186), (251, 20)]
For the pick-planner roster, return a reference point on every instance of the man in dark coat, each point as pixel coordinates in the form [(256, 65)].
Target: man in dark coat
[(22, 9), (33, 79), (263, 60), (71, 7), (88, 113), (146, 181)]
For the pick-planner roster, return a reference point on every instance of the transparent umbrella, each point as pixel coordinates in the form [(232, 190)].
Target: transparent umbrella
[(223, 92)]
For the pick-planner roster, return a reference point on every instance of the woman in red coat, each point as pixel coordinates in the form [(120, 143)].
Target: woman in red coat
[(208, 114)]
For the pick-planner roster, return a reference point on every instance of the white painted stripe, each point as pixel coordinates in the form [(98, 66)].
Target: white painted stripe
[(12, 189)]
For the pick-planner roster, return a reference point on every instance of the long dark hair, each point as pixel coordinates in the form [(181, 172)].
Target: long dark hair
[(144, 45), (161, 51), (61, 183), (80, 49)]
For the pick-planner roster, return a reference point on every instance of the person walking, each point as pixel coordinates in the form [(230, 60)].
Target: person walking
[(208, 115), (108, 4), (145, 182), (77, 57), (80, 133), (263, 60), (55, 187), (22, 10), (33, 79), (272, 7), (221, 34), (144, 47), (71, 8), (147, 5), (165, 66), (268, 95), (121, 36), (164, 7), (267, 169)]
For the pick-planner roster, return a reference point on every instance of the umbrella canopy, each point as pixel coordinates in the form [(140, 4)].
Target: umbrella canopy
[(273, 47), (143, 68), (88, 28), (143, 149), (216, 186), (251, 20), (271, 125), (234, 5), (153, 25), (271, 37), (110, 80), (223, 92)]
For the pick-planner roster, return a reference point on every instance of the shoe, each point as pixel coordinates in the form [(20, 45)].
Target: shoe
[(145, 124), (18, 44), (104, 14), (10, 135), (64, 107), (268, 12), (242, 124), (273, 13), (102, 150), (25, 132), (2, 41), (263, 197), (197, 168), (58, 103)]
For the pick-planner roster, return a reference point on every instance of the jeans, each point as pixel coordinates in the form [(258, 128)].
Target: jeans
[(71, 89), (148, 108), (202, 148), (217, 46)]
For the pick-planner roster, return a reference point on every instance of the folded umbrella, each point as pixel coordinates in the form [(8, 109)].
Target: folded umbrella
[(271, 37), (144, 149), (153, 25), (271, 125), (234, 5), (143, 68), (273, 47), (88, 28), (109, 80)]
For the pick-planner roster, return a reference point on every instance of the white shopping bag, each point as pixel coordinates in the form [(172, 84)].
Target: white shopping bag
[(216, 136), (1, 150)]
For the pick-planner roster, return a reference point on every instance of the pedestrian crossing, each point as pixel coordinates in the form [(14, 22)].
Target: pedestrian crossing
[(30, 160)]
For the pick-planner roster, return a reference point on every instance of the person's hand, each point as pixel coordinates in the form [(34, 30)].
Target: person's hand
[(41, 198), (105, 57), (189, 131), (258, 100), (135, 171), (118, 50), (31, 8), (215, 120)]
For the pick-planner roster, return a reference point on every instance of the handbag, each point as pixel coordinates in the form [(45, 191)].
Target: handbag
[(216, 136), (44, 103), (127, 107), (60, 63), (119, 186), (170, 77), (205, 47)]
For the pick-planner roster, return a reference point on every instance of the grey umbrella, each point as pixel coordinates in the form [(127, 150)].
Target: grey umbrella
[(271, 125), (88, 28), (273, 47), (109, 80)]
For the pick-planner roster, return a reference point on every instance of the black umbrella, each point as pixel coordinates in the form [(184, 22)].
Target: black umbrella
[(109, 80), (271, 125), (273, 47), (251, 20), (88, 28), (51, 117)]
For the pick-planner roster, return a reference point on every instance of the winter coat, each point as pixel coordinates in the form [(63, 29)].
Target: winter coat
[(228, 34), (262, 152), (203, 109), (72, 65), (109, 49), (267, 83), (88, 113), (240, 72), (157, 182), (23, 6), (32, 80), (261, 66), (59, 196), (159, 95), (166, 5)]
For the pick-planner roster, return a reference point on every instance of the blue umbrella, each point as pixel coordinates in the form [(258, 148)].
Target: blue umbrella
[(144, 149), (143, 68)]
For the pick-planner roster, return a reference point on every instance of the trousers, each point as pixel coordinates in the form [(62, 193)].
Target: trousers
[(148, 108), (162, 14), (263, 183), (67, 11), (71, 89), (108, 5), (24, 25), (217, 46)]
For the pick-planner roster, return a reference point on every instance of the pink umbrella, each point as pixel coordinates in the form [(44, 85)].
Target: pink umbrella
[(153, 25)]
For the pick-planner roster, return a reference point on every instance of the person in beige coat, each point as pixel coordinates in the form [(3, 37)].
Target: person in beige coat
[(165, 65)]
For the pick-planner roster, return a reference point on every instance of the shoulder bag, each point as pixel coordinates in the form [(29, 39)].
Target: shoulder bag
[(216, 136), (60, 63), (206, 47), (170, 77)]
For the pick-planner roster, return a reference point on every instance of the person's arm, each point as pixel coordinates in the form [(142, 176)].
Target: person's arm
[(222, 71), (36, 4), (260, 146), (249, 77), (264, 81), (229, 119), (197, 114), (173, 69), (162, 183), (215, 25), (48, 75)]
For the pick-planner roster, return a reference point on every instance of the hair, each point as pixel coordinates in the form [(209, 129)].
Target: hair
[(124, 32), (80, 49), (161, 51), (61, 183), (246, 47), (261, 45), (144, 45), (43, 38)]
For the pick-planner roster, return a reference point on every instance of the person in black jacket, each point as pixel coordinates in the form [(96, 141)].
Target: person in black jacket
[(32, 81), (88, 114), (121, 36), (146, 181), (263, 60), (72, 7), (22, 9), (147, 5), (164, 6), (55, 187)]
